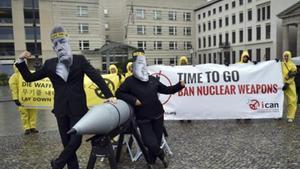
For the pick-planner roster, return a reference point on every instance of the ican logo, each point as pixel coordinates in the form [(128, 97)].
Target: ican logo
[(255, 104)]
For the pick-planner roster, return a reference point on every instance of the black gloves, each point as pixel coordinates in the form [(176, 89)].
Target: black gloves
[(292, 74), (277, 60), (17, 103), (255, 62), (285, 86)]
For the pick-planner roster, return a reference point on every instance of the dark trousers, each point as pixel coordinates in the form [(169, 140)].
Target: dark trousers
[(151, 132), (70, 142)]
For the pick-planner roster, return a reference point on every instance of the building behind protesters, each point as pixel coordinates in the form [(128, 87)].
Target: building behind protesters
[(289, 71), (141, 91), (28, 116)]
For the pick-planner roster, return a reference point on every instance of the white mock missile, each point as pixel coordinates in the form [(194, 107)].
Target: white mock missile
[(103, 118)]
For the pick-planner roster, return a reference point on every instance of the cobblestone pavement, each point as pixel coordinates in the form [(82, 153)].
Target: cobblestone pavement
[(260, 144)]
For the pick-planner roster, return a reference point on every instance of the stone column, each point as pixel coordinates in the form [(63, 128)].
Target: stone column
[(285, 38), (298, 39)]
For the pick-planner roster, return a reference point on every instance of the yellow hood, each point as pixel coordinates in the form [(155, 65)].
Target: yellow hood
[(244, 54), (289, 54), (113, 67), (183, 60), (129, 64)]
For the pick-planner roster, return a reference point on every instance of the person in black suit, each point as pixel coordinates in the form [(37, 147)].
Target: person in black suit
[(66, 73), (140, 90)]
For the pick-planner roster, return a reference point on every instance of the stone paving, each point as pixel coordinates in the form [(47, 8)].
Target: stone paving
[(260, 144)]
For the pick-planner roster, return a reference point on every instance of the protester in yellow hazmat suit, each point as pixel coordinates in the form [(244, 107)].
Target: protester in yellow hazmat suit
[(28, 116), (289, 71), (114, 70), (183, 60), (129, 69)]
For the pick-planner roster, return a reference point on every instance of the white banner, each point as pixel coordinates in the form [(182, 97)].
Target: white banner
[(239, 91)]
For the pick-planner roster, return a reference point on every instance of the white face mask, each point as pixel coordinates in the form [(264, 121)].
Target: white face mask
[(63, 51), (140, 69)]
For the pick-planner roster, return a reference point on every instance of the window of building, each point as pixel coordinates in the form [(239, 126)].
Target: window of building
[(187, 16), (187, 45), (187, 31), (241, 17), (233, 37), (106, 26), (214, 24), (5, 11), (83, 11), (6, 32), (209, 26), (214, 11), (220, 39), (142, 45), (258, 14), (28, 4), (226, 21), (263, 11), (268, 12), (157, 15), (105, 11), (83, 28), (199, 16), (268, 31), (249, 1), (258, 55), (157, 45), (209, 58), (241, 36), (214, 40), (28, 18), (199, 28), (203, 15), (158, 61), (250, 53), (141, 29), (29, 33), (233, 4), (268, 54), (204, 58), (172, 15), (199, 58), (249, 34), (173, 45), (233, 19), (249, 14), (204, 42), (233, 57), (220, 9), (226, 6), (172, 30), (241, 2), (199, 43), (209, 41), (140, 13), (173, 61), (107, 39), (258, 33), (240, 56), (30, 47), (209, 13), (215, 58), (226, 37), (7, 49), (84, 45), (157, 30), (220, 23), (204, 28)]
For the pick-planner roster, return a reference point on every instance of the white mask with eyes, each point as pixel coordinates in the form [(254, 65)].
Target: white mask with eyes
[(140, 69)]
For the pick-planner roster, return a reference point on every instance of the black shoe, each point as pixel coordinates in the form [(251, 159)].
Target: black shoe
[(54, 165), (189, 121), (27, 132), (34, 130), (164, 160), (181, 121)]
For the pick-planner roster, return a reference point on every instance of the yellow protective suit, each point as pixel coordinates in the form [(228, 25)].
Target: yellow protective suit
[(290, 92), (28, 116), (114, 70), (183, 60), (129, 69)]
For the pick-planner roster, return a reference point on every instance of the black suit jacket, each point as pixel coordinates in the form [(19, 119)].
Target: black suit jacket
[(69, 97)]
